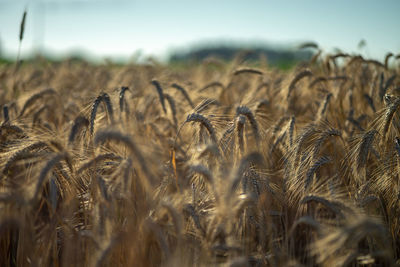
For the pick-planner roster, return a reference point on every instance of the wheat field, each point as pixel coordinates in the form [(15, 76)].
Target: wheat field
[(216, 164)]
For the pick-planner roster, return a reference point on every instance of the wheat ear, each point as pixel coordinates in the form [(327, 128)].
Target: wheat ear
[(196, 117), (157, 85), (6, 115), (184, 93), (248, 70), (297, 78), (79, 122), (34, 98), (243, 110), (115, 136), (122, 97)]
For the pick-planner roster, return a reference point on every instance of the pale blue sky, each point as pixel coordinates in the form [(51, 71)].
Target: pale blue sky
[(120, 27)]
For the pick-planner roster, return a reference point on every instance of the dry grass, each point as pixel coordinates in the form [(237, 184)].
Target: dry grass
[(242, 167)]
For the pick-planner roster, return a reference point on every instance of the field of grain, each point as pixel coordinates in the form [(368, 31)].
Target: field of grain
[(216, 164)]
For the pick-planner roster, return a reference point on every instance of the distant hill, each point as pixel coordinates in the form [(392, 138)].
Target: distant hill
[(224, 52)]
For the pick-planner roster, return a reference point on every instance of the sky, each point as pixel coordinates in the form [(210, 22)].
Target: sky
[(121, 28)]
